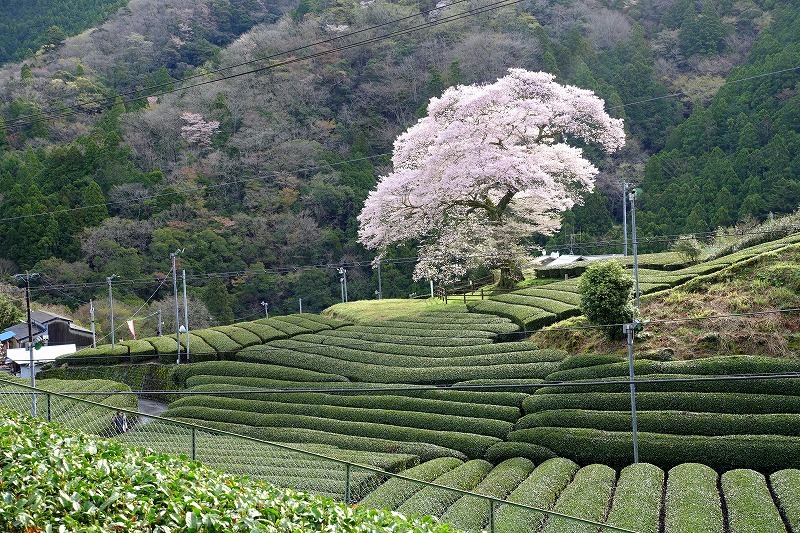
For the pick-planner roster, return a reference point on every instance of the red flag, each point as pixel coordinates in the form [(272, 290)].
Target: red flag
[(130, 327)]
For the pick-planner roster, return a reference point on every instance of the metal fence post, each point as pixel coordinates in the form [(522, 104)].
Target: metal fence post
[(194, 444), (491, 516), (48, 407), (347, 483)]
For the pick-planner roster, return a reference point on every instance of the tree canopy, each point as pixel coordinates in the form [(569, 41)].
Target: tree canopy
[(488, 166)]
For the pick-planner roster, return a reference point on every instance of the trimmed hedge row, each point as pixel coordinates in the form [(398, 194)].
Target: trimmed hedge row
[(749, 502), (281, 325), (764, 453), (409, 339), (383, 399), (369, 372), (356, 354), (219, 341), (506, 450), (530, 318), (569, 298), (723, 365), (560, 309), (662, 277), (692, 500), (528, 386), (241, 336), (251, 370), (670, 422), (373, 415), (472, 445), (395, 491), (456, 318), (470, 513), (264, 331), (637, 498), (104, 355), (425, 451), (587, 497), (434, 501), (490, 327), (332, 323), (540, 489), (305, 321), (714, 402), (418, 332), (139, 348), (786, 487), (199, 349)]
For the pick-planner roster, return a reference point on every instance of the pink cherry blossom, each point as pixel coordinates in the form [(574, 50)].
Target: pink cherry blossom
[(489, 166)]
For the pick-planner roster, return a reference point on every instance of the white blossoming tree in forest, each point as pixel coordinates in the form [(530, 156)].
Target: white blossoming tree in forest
[(489, 166)]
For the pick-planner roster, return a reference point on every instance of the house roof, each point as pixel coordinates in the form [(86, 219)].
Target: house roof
[(43, 317), (4, 336), (20, 331), (45, 354)]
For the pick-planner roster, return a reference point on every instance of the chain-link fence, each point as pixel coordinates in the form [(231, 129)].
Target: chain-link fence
[(285, 466)]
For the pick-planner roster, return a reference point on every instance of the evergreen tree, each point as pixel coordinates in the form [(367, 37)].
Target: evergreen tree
[(218, 301)]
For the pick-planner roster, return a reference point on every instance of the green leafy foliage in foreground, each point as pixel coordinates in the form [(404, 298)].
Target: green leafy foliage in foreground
[(64, 482)]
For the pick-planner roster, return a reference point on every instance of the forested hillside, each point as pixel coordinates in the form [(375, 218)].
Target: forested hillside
[(260, 176), (26, 26)]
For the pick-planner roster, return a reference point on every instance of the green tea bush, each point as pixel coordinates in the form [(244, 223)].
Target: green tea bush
[(501, 451), (199, 349), (163, 345), (471, 513), (284, 326), (530, 318), (764, 453), (71, 482), (241, 336), (587, 497), (417, 332), (470, 444), (139, 347), (457, 318), (220, 342), (583, 361), (714, 402), (302, 436), (749, 502), (560, 309), (491, 327), (375, 415), (305, 321), (434, 501), (395, 491), (332, 323), (102, 355), (408, 339), (786, 486), (637, 498), (371, 372), (570, 298), (692, 500), (265, 332), (528, 386), (540, 489), (671, 422), (250, 370)]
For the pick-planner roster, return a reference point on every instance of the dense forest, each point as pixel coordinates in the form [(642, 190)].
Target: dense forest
[(109, 163)]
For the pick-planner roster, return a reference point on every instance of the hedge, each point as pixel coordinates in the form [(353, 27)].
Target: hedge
[(385, 399), (470, 444), (540, 490), (786, 487), (692, 501), (417, 332), (501, 451), (530, 318), (163, 345), (432, 324), (724, 365), (395, 491), (764, 453), (470, 513), (528, 386), (374, 415), (332, 323), (304, 322), (637, 498), (241, 336), (103, 355), (584, 360), (560, 309), (587, 497), (356, 354), (714, 402), (281, 325), (264, 331), (251, 370), (369, 372), (199, 349), (434, 501), (139, 347), (220, 342), (670, 422), (409, 339), (570, 298), (457, 318), (302, 436), (749, 502)]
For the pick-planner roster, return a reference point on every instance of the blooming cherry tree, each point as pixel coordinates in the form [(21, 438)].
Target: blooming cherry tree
[(489, 166), (198, 130)]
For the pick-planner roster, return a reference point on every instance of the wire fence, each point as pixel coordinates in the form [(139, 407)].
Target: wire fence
[(311, 468)]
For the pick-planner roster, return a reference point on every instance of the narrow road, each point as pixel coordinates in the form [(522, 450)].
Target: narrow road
[(150, 407)]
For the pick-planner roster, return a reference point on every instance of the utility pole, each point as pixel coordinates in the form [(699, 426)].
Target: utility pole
[(629, 329), (343, 280), (27, 278), (111, 306), (94, 333), (625, 218), (185, 313), (160, 322), (632, 197), (173, 255), (266, 308), (300, 300)]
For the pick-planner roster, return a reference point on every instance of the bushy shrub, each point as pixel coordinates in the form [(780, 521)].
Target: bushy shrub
[(637, 498), (395, 491), (434, 501), (692, 501), (749, 502), (540, 489), (605, 290), (786, 486), (470, 444), (470, 513), (764, 453), (587, 497)]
